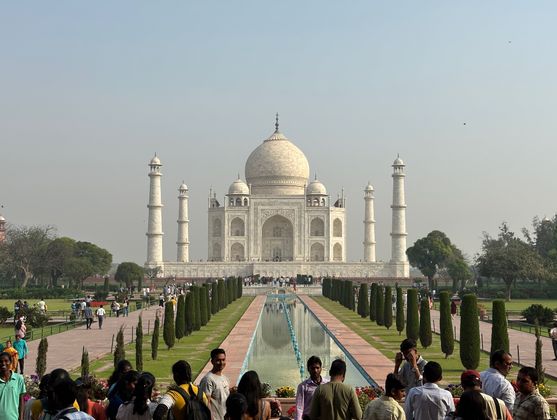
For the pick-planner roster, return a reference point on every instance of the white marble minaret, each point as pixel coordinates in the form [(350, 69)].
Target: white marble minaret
[(183, 225), (398, 232), (154, 227), (369, 225)]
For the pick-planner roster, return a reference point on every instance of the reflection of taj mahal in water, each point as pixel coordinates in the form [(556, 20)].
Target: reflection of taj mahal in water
[(277, 223)]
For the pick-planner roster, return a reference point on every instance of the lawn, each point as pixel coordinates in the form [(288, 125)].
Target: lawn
[(388, 341), (53, 304), (518, 305), (194, 348)]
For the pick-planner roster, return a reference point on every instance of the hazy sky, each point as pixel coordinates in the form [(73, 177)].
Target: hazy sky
[(464, 91)]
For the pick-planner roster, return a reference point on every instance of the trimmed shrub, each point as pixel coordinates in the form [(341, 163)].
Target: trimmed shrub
[(180, 324), (189, 313), (538, 313), (222, 295), (155, 339), (196, 308), (412, 319), (399, 310), (120, 351), (84, 363), (168, 333), (139, 345), (203, 305), (41, 357), (214, 298), (372, 304), (469, 332), (363, 302), (379, 306), (499, 333), (446, 324), (425, 324), (240, 287), (206, 293), (388, 307), (539, 362)]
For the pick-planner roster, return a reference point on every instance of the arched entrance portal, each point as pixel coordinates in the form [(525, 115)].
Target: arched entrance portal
[(277, 239)]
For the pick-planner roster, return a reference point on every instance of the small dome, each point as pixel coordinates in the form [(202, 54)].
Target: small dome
[(155, 161), (183, 187), (316, 188), (238, 187), (398, 162), (2, 219), (369, 187)]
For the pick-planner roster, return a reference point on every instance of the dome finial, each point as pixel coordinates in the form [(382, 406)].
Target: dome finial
[(276, 122), (315, 175)]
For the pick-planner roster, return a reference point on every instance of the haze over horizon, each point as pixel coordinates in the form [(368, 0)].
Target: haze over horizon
[(465, 93)]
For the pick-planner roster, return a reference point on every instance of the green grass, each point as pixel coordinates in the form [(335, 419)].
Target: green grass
[(53, 304), (517, 305), (388, 342), (194, 348)]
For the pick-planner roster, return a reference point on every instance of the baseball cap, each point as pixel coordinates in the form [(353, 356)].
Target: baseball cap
[(470, 377)]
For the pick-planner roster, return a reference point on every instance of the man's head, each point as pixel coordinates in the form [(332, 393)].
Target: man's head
[(65, 393), (409, 346), (218, 360), (314, 367), (527, 380), (338, 369), (394, 387), (56, 376), (502, 361), (236, 406), (470, 380), (433, 372), (5, 362), (181, 371)]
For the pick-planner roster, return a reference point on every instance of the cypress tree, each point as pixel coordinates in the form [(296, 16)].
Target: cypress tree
[(324, 287), (203, 306), (380, 306), (214, 297), (84, 363), (388, 308), (207, 300), (351, 298), (446, 324), (168, 333), (412, 320), (344, 300), (363, 302), (240, 287), (372, 304), (189, 313), (106, 284), (222, 295), (40, 365), (180, 318), (399, 310), (155, 339), (539, 363), (120, 351), (469, 332), (139, 345), (499, 333), (425, 324), (196, 308)]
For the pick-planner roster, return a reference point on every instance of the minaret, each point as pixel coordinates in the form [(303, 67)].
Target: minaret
[(398, 233), (154, 228), (369, 225), (2, 229), (183, 225)]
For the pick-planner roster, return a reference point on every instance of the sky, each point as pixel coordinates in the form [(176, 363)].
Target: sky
[(465, 92)]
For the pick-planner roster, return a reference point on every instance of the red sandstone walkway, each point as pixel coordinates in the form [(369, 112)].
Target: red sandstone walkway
[(236, 344), (64, 349), (370, 359)]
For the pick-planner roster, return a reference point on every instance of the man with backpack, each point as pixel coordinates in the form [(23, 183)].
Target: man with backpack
[(184, 399)]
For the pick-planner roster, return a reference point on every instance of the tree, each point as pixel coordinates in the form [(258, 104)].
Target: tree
[(59, 252), (363, 302), (544, 241), (537, 313), (221, 294), (139, 346), (430, 253), (168, 333), (469, 332), (458, 270), (181, 317), (539, 362), (40, 365), (380, 306), (119, 351), (128, 272), (388, 307), (399, 310), (425, 324), (508, 258), (206, 293), (100, 258), (196, 308), (446, 324), (412, 320), (499, 333), (189, 313), (372, 304), (76, 270), (214, 298), (155, 339), (240, 287), (203, 305), (84, 363), (153, 272)]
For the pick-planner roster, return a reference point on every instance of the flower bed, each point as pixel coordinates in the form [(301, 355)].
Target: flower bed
[(368, 393)]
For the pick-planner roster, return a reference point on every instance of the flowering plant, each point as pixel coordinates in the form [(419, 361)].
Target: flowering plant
[(366, 394), (285, 392), (32, 387), (455, 390), (98, 388), (291, 412), (544, 390)]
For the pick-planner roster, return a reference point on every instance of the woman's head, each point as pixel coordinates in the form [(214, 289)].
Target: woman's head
[(126, 385), (122, 367), (250, 387), (394, 387), (8, 343), (142, 392), (236, 406), (472, 406)]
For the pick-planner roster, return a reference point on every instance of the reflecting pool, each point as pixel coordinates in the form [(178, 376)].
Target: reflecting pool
[(272, 352)]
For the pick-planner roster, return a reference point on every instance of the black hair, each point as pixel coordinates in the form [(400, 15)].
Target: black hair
[(497, 356), (65, 392), (129, 377), (433, 372), (216, 352), (43, 385), (6, 355), (142, 392), (83, 391), (472, 406), (236, 406), (531, 373), (250, 387), (314, 360), (392, 383), (181, 370), (407, 344), (121, 368), (338, 368)]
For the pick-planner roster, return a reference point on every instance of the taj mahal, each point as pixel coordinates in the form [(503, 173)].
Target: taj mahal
[(277, 222)]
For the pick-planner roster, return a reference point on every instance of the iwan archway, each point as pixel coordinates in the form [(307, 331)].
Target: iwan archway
[(277, 239)]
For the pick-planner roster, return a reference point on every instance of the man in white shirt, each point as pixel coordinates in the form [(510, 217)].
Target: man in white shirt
[(494, 380), (215, 385), (553, 335), (429, 402), (100, 315)]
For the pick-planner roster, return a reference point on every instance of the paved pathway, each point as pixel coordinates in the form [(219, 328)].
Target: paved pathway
[(525, 341), (236, 344), (370, 359), (64, 349)]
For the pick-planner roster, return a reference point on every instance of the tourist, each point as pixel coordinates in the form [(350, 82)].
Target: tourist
[(14, 356), (494, 380), (46, 408), (82, 306), (18, 305), (553, 335), (22, 350), (305, 390), (140, 407), (472, 406), (335, 400), (161, 300), (529, 404), (41, 304), (453, 309), (387, 407), (495, 408), (65, 393), (100, 316), (250, 387), (20, 327), (121, 393), (84, 395), (125, 307), (122, 367), (88, 314), (429, 402), (27, 415), (179, 396), (12, 389), (116, 308), (236, 407), (215, 385), (411, 372)]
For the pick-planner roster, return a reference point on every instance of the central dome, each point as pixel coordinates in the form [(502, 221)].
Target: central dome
[(277, 167)]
